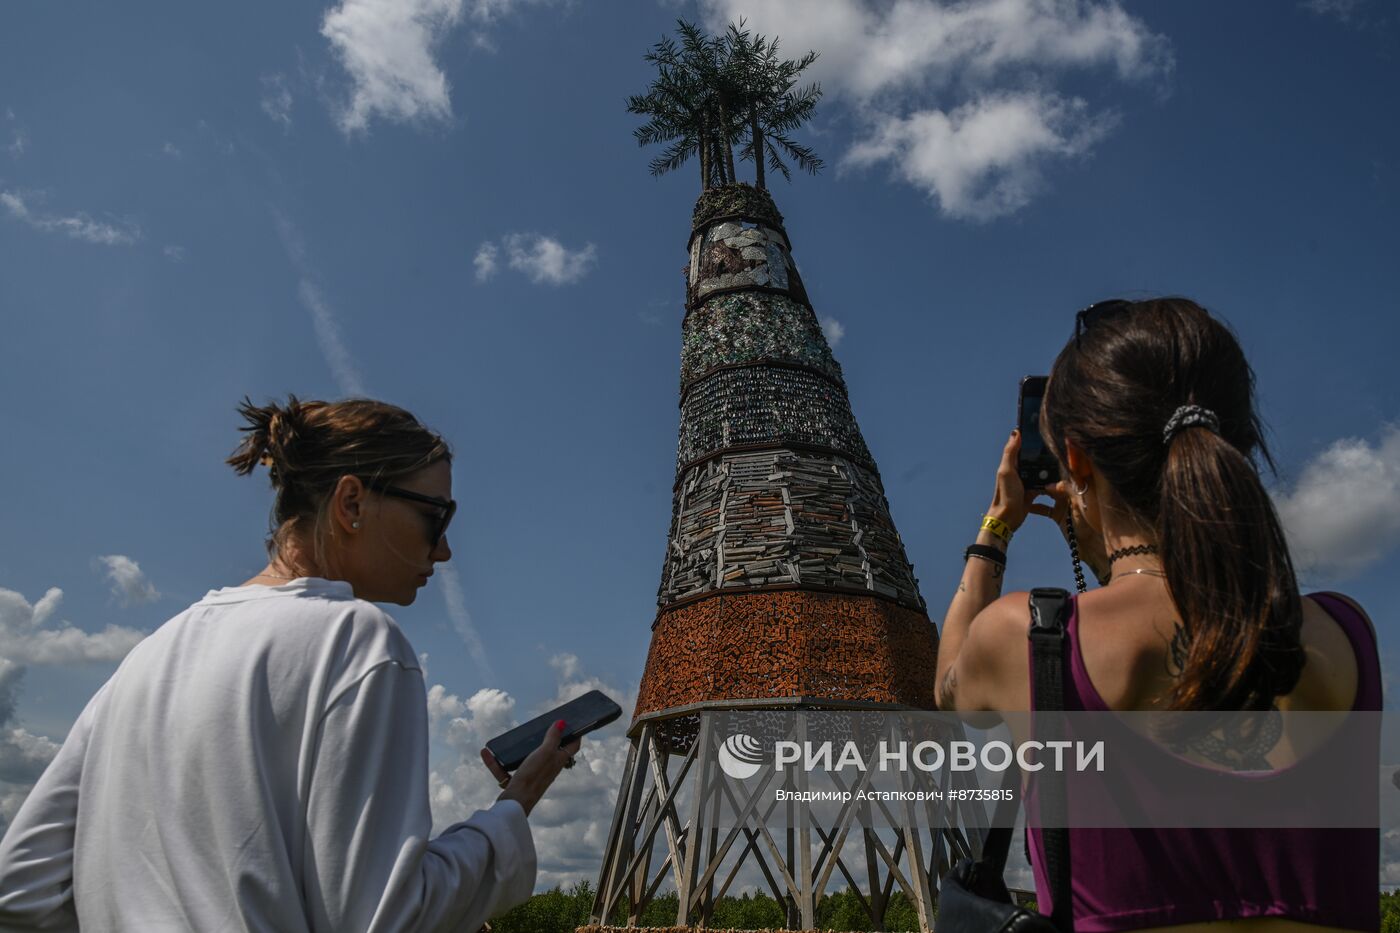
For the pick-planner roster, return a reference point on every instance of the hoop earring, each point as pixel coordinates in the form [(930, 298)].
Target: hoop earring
[(1076, 490)]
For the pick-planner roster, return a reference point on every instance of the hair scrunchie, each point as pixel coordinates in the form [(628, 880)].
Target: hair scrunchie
[(1188, 416)]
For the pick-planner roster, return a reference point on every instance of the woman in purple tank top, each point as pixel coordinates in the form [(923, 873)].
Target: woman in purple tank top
[(1150, 411)]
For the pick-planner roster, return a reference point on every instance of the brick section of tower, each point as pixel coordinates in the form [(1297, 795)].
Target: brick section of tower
[(784, 576), (792, 643)]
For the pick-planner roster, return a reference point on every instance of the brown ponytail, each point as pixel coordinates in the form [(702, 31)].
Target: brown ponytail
[(309, 446), (1112, 391)]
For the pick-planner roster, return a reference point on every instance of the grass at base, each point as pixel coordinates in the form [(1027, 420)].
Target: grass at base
[(561, 911)]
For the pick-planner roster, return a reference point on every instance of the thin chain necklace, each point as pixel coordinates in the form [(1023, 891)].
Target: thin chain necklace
[(1139, 570), (273, 576)]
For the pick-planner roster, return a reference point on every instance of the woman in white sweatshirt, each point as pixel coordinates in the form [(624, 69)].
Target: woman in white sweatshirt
[(260, 762)]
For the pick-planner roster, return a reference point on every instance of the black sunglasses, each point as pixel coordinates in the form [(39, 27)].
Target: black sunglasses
[(442, 517), (1095, 313)]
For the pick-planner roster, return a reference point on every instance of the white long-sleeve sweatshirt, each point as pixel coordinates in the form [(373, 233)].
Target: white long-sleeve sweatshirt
[(259, 762)]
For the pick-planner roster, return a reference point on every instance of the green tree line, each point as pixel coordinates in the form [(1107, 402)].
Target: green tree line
[(560, 911)]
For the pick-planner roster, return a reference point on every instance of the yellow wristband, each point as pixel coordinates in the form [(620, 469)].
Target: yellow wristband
[(997, 527)]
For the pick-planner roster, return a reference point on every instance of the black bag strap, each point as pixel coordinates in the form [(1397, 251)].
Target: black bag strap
[(1049, 641), (997, 844)]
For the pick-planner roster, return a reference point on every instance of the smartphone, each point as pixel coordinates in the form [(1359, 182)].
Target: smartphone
[(582, 715), (1036, 465)]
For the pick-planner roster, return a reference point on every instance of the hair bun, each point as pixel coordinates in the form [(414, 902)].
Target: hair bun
[(271, 430)]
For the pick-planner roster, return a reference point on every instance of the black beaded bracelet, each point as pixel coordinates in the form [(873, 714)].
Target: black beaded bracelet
[(986, 552)]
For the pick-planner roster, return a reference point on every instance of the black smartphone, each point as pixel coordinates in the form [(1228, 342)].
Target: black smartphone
[(582, 715), (1036, 465)]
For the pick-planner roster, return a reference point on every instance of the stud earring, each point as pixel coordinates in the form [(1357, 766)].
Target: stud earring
[(354, 524)]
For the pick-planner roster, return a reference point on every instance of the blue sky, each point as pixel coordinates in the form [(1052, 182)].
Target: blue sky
[(440, 203)]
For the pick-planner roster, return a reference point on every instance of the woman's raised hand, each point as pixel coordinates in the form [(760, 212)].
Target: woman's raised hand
[(537, 771), (1011, 501)]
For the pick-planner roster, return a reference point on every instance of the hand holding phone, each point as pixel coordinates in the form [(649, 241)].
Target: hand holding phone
[(538, 771), (583, 714), (539, 749)]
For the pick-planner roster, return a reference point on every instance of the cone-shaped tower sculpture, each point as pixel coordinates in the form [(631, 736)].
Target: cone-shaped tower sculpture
[(785, 584), (784, 575)]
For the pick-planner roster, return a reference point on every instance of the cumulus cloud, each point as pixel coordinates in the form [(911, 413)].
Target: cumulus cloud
[(23, 755), (1343, 513), (958, 98), (78, 226), (983, 160), (543, 259), (867, 49), (485, 261), (28, 636), (129, 583), (388, 49), (571, 823), (833, 329), (443, 705), (276, 100)]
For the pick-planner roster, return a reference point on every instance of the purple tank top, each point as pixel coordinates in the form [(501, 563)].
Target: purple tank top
[(1128, 879)]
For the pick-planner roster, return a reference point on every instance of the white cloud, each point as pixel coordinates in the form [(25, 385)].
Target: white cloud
[(457, 611), (1344, 10), (566, 666), (443, 705), (571, 823), (334, 350), (543, 259), (333, 346), (388, 46), (959, 97), (982, 160), (19, 139), (276, 100), (78, 226), (129, 583), (867, 49), (489, 11), (174, 253), (23, 755), (27, 637), (1343, 514), (485, 261), (171, 150), (833, 329)]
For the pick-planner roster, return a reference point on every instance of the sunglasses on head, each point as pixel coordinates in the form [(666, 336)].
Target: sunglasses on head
[(443, 509), (1097, 312)]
